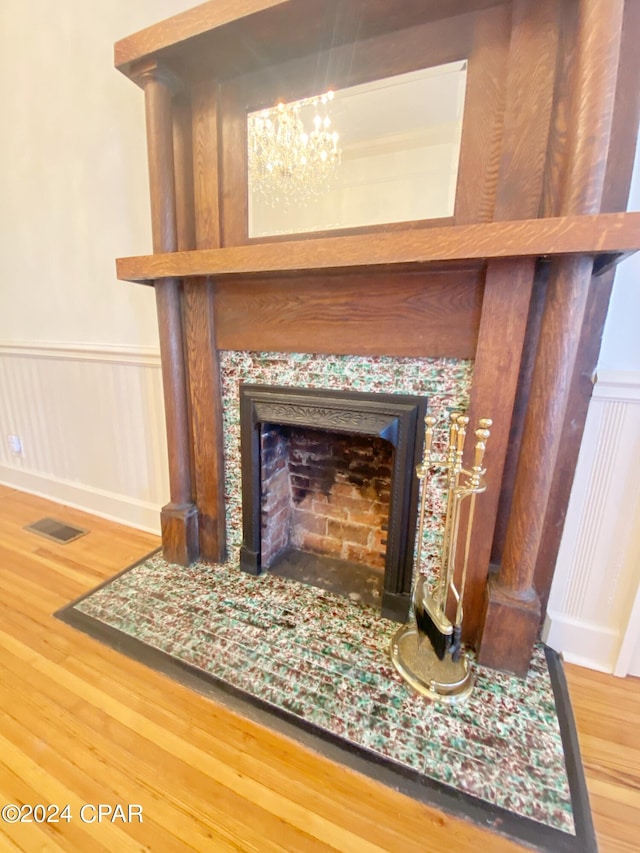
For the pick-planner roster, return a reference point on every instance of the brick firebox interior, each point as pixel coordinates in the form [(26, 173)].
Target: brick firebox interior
[(325, 493)]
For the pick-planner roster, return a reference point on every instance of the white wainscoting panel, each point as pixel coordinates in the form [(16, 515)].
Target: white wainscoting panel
[(91, 423), (593, 616)]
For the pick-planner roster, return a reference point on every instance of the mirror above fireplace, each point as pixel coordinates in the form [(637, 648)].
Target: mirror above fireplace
[(380, 152)]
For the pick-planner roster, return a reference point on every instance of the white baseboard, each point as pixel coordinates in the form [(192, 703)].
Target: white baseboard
[(125, 510), (580, 642)]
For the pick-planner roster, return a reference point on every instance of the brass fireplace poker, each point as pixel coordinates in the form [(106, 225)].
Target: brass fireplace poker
[(427, 651)]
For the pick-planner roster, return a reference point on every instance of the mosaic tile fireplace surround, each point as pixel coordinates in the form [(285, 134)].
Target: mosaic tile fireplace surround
[(443, 382)]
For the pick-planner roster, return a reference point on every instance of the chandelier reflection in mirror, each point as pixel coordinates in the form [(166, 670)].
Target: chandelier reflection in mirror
[(396, 159), (289, 165)]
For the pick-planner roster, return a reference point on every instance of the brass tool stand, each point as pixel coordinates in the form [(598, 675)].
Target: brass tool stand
[(442, 671), (420, 667)]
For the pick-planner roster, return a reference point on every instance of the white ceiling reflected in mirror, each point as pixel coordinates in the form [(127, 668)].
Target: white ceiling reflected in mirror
[(381, 152)]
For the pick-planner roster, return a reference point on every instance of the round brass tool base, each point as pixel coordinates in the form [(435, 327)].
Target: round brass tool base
[(418, 664)]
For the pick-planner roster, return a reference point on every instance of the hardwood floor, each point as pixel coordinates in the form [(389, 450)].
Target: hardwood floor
[(82, 724), (607, 713)]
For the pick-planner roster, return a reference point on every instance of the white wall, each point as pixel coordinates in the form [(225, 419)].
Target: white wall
[(79, 372), (73, 179), (621, 341)]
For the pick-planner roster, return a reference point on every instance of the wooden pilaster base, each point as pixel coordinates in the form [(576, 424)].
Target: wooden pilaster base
[(179, 523), (510, 629)]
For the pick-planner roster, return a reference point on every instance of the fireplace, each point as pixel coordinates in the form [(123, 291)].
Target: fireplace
[(545, 163), (328, 489)]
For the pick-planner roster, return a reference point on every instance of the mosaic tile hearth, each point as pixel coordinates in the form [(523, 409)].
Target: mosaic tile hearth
[(324, 660)]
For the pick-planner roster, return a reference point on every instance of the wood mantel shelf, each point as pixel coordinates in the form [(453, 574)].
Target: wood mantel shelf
[(605, 234)]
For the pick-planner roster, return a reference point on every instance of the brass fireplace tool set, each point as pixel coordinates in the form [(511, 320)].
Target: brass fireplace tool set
[(427, 651)]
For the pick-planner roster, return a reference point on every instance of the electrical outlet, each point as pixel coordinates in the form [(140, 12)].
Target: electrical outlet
[(15, 444)]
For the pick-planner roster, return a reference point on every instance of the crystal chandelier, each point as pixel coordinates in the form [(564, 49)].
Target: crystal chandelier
[(288, 165)]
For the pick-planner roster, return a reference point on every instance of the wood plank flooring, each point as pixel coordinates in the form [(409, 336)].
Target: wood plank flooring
[(81, 724), (607, 712)]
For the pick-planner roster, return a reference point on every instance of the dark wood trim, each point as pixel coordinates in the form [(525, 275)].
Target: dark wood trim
[(622, 149), (200, 151), (482, 126), (555, 169), (169, 321), (206, 164), (557, 149), (505, 308), (206, 407), (533, 51), (626, 113), (512, 597), (185, 25), (604, 233), (434, 314), (183, 173), (185, 227), (598, 58), (234, 167), (178, 518), (159, 123), (384, 55), (527, 361), (382, 228)]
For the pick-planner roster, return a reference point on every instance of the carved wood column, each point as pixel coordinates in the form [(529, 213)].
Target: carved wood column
[(179, 518), (532, 60), (512, 607), (615, 198), (195, 155)]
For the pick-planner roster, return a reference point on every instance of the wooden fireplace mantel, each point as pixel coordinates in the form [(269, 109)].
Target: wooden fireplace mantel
[(548, 140), (609, 234)]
